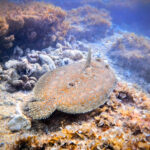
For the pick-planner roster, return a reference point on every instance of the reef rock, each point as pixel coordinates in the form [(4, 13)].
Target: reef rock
[(18, 51), (11, 64), (47, 60), (1, 69), (18, 123), (73, 54), (33, 57)]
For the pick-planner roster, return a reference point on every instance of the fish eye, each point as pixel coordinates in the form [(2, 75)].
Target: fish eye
[(71, 84), (33, 100)]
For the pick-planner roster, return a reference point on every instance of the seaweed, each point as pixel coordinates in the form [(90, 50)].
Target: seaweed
[(87, 21), (35, 25)]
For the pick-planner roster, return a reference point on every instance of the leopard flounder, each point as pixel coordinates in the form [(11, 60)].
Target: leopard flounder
[(76, 88)]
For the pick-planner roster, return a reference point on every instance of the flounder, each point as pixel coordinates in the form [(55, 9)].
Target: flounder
[(77, 88)]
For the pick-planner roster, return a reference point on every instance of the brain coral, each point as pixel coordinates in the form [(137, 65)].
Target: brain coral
[(71, 89), (34, 25)]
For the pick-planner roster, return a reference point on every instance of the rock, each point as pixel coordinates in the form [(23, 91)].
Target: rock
[(10, 88), (17, 83), (48, 50), (18, 51), (24, 78), (27, 51), (13, 74), (38, 70), (71, 39), (55, 58), (148, 138), (24, 60), (32, 83), (33, 78), (66, 61), (28, 85), (47, 60), (9, 103), (33, 57), (11, 64), (34, 70), (63, 62), (56, 52), (2, 144), (59, 62), (19, 122), (67, 44), (58, 45), (5, 77), (45, 68), (73, 54), (1, 70), (82, 46)]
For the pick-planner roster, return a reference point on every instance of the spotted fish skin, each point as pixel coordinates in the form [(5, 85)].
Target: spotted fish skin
[(72, 90)]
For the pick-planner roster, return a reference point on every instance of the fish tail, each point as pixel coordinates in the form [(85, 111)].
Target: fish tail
[(39, 109)]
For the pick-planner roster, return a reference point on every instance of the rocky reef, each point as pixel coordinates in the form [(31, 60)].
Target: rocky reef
[(131, 52), (121, 123), (26, 66), (36, 38), (87, 21), (31, 25)]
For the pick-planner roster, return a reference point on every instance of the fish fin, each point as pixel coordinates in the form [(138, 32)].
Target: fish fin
[(88, 60), (39, 109)]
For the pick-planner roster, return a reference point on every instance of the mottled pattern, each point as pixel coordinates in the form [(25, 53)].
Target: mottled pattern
[(72, 90)]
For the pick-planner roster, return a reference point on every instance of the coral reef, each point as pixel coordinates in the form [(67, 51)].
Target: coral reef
[(131, 52), (87, 21), (26, 66), (119, 124), (71, 89), (34, 25)]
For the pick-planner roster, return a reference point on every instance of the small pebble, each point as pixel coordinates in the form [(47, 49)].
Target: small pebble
[(2, 144)]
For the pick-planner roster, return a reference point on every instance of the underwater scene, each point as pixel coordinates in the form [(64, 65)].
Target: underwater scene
[(74, 74)]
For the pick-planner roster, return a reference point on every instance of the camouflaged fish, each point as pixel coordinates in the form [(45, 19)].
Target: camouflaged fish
[(77, 88)]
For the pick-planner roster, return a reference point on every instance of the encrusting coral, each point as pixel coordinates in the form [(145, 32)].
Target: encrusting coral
[(34, 25), (76, 88)]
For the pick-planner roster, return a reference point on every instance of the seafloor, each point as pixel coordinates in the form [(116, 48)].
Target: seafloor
[(122, 123), (40, 38)]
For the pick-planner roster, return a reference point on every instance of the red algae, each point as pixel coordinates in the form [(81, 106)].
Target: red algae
[(35, 22)]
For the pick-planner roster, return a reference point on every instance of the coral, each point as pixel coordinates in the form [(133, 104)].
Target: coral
[(132, 52), (73, 54), (71, 89), (87, 21), (34, 24)]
